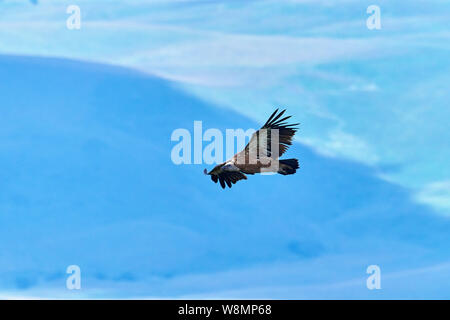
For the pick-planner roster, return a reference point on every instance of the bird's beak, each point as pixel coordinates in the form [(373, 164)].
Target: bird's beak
[(205, 172)]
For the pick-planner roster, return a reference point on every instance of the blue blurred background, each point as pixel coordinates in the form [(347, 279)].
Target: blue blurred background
[(86, 176)]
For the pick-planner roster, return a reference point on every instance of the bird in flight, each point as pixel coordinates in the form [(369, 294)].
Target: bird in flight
[(261, 154)]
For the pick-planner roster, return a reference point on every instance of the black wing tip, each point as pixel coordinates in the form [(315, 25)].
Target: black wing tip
[(228, 179), (275, 121), (270, 118)]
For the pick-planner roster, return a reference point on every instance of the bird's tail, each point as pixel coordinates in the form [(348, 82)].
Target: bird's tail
[(288, 166)]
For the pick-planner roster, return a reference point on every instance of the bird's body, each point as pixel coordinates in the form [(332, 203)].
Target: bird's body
[(261, 154)]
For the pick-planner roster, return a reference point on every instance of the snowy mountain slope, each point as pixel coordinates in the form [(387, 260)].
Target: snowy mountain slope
[(86, 178)]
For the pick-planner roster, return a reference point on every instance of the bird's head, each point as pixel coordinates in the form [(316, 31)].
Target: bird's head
[(215, 170)]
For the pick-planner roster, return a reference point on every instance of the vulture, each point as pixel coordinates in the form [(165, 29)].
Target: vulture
[(261, 154)]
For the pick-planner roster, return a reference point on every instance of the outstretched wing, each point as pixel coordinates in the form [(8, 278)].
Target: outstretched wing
[(261, 142), (228, 177)]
